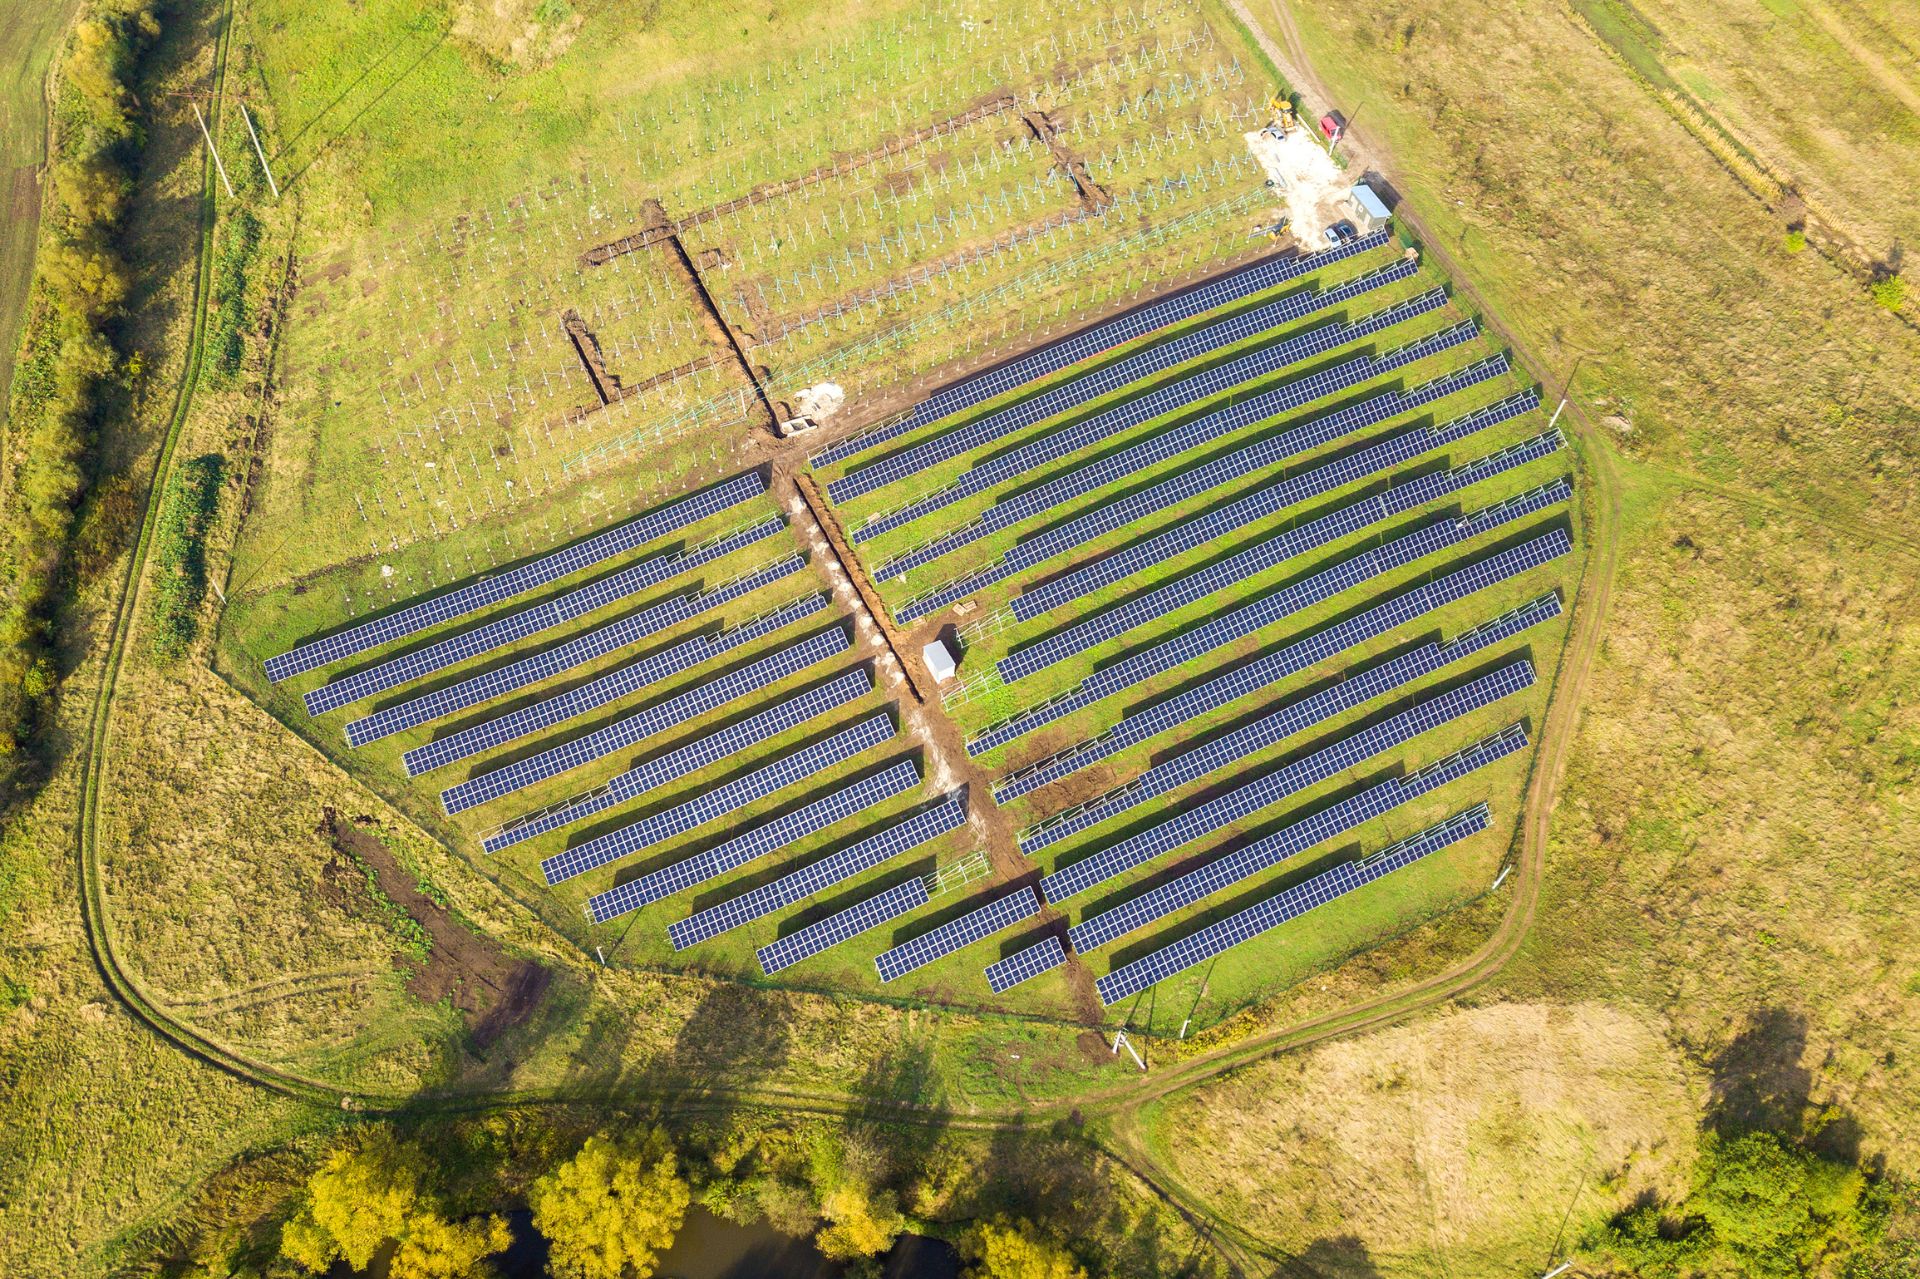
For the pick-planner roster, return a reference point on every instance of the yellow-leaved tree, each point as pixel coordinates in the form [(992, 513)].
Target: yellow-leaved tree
[(614, 1205), (859, 1222), (372, 1190), (1003, 1249)]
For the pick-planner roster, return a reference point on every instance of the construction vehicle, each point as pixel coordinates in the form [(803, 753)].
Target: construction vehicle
[(1284, 120), (1277, 230)]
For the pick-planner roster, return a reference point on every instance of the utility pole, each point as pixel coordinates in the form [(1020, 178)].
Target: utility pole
[(274, 186), (213, 150)]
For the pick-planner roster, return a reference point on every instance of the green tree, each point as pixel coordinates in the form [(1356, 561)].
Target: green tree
[(1773, 1206), (614, 1205), (1002, 1249)]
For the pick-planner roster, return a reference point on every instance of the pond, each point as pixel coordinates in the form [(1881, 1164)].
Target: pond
[(711, 1247)]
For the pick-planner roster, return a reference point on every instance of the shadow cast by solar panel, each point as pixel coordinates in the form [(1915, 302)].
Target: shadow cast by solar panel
[(872, 826), (716, 720), (1012, 944), (493, 659), (1137, 820), (1283, 877), (632, 869), (650, 548), (1098, 364), (1289, 520), (1136, 884), (1121, 438), (1329, 276), (1281, 469), (958, 903), (1510, 536), (654, 803), (871, 883)]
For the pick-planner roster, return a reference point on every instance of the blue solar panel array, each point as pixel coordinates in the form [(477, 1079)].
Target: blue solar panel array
[(1354, 690), (1245, 800), (1086, 479), (1266, 853), (1043, 956), (563, 657), (834, 868), (1294, 658), (642, 724), (1189, 952), (1125, 373), (957, 934), (842, 925), (1037, 600), (766, 838), (527, 622), (1124, 511), (1267, 609), (517, 581), (678, 762), (718, 802), (1069, 440), (1274, 551), (1090, 342), (561, 707)]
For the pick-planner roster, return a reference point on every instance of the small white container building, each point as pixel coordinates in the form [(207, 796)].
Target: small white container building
[(939, 660), (1365, 209)]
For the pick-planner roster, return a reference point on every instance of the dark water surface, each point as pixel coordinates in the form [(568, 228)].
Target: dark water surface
[(711, 1247)]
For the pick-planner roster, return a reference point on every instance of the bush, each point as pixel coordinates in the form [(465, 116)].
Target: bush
[(1796, 240), (1889, 292), (180, 556)]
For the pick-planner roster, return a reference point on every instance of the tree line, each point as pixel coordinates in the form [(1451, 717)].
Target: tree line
[(72, 368)]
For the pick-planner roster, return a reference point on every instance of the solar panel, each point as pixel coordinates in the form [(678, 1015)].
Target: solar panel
[(700, 753), (527, 622), (718, 802), (956, 934), (761, 840), (1055, 356), (1263, 611), (1134, 369), (628, 679), (1264, 854), (630, 729), (547, 663), (517, 581), (1068, 440), (842, 926), (1203, 819), (1143, 725), (1256, 504), (1261, 917), (834, 868), (1043, 956), (1121, 512), (1273, 551), (1295, 717)]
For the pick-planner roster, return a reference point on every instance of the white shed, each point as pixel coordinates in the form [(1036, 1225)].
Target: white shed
[(1368, 210), (939, 660)]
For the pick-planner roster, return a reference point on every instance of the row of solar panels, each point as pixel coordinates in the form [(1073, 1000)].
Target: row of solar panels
[(1056, 356), (1075, 439), (1082, 391), (1120, 512)]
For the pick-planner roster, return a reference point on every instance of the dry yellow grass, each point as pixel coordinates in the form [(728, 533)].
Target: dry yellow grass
[(1451, 1146)]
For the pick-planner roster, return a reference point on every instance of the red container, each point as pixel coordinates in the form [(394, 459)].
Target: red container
[(1329, 126)]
